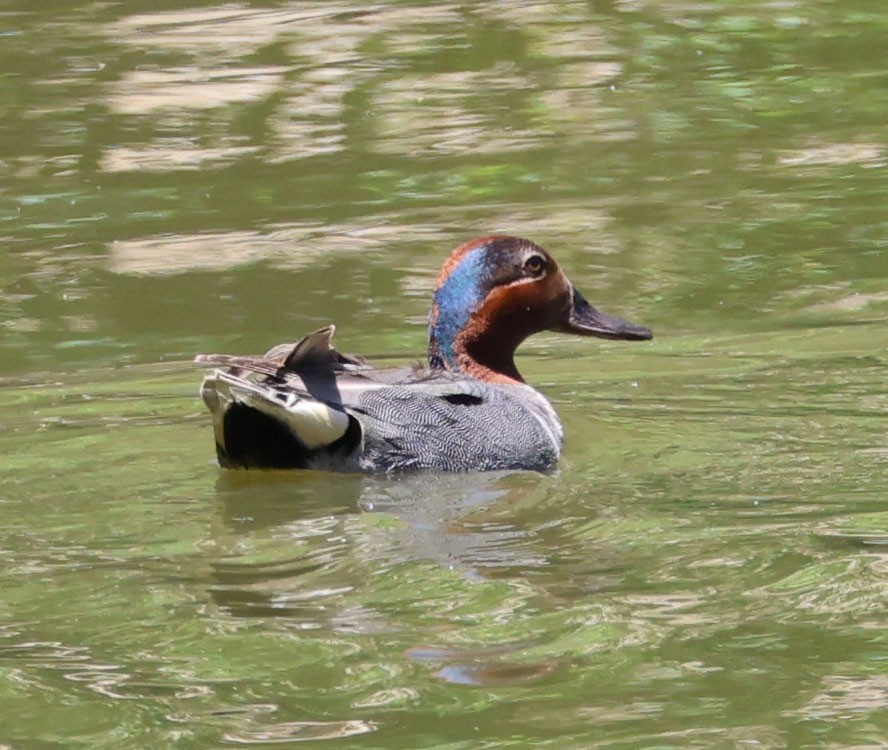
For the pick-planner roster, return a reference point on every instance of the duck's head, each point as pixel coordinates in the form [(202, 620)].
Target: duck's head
[(494, 292)]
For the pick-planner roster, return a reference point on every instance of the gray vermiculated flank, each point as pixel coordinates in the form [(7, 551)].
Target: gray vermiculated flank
[(508, 427)]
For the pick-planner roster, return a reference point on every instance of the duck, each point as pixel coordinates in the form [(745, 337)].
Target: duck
[(304, 405)]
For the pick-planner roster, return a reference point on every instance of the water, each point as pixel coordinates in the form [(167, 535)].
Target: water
[(707, 567)]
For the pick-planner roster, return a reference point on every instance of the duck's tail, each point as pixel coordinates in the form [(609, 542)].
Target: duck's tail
[(260, 425)]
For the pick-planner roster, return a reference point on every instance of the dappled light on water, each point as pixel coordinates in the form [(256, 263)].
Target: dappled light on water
[(707, 565)]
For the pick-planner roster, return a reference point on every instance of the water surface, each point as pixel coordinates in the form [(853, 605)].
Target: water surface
[(706, 568)]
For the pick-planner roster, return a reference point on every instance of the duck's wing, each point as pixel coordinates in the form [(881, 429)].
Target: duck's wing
[(312, 354)]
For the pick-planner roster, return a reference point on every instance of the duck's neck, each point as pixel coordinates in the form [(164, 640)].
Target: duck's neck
[(479, 356)]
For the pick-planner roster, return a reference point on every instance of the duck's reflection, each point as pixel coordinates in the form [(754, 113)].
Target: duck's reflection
[(287, 536), (291, 538), (441, 562), (279, 525)]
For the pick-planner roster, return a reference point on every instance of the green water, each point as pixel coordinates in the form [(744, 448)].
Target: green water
[(708, 568)]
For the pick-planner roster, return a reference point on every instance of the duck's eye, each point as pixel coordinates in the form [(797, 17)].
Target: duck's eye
[(535, 265)]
